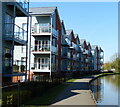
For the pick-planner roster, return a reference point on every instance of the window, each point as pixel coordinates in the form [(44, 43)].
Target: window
[(54, 42), (42, 45), (8, 18), (23, 60), (7, 50), (53, 59), (8, 61), (24, 26), (8, 24), (23, 49), (43, 63)]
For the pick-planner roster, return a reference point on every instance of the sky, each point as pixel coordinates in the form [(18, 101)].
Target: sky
[(97, 22)]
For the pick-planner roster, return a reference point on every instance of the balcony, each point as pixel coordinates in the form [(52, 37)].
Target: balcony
[(55, 33), (101, 56), (43, 29), (24, 4), (17, 66), (41, 49), (22, 7), (64, 55), (19, 35), (101, 62), (40, 67)]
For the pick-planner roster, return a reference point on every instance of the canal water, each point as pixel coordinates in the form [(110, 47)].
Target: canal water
[(106, 90)]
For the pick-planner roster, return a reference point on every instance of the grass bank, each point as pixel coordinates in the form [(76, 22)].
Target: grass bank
[(104, 74), (47, 97), (71, 80)]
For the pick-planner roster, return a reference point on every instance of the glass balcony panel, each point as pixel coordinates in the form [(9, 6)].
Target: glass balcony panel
[(41, 28), (45, 47), (18, 33), (40, 66)]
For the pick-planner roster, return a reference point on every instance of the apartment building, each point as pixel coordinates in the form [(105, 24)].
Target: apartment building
[(65, 56), (84, 54), (0, 41), (89, 57), (13, 35), (78, 53), (98, 58), (46, 37), (54, 49), (71, 50)]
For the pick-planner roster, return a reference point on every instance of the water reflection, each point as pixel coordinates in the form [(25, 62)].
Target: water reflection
[(105, 90), (97, 88)]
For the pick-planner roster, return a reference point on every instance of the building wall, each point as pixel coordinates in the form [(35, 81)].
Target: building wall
[(58, 27), (0, 39)]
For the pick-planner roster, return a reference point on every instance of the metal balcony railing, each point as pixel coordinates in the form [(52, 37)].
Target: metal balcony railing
[(18, 33), (40, 66), (41, 48), (24, 4), (38, 28)]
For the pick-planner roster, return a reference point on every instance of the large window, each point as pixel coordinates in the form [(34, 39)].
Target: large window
[(54, 42), (8, 24), (8, 61), (8, 18), (43, 63), (42, 45), (23, 49)]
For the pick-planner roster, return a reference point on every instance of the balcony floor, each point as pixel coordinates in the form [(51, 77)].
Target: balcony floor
[(41, 52), (40, 70)]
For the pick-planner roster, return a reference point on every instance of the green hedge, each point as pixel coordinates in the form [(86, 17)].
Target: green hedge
[(28, 90)]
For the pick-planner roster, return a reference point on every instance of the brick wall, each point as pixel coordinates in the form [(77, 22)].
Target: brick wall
[(58, 27)]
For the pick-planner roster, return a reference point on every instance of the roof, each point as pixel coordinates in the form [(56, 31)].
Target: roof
[(75, 35), (62, 22), (42, 10), (99, 48), (82, 41), (88, 43), (94, 47), (68, 32)]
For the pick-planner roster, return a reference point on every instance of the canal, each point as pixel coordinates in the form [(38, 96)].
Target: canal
[(106, 90)]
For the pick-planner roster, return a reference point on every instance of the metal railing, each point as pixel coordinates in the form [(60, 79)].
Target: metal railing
[(38, 28), (24, 4), (18, 66), (41, 48), (40, 66), (44, 28), (18, 33)]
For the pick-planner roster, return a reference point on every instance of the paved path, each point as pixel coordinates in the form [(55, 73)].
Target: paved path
[(77, 93)]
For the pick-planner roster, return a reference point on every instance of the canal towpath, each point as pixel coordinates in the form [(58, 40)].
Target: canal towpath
[(77, 93)]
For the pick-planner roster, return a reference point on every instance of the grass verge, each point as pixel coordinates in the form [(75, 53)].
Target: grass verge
[(71, 80), (47, 98), (102, 74)]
